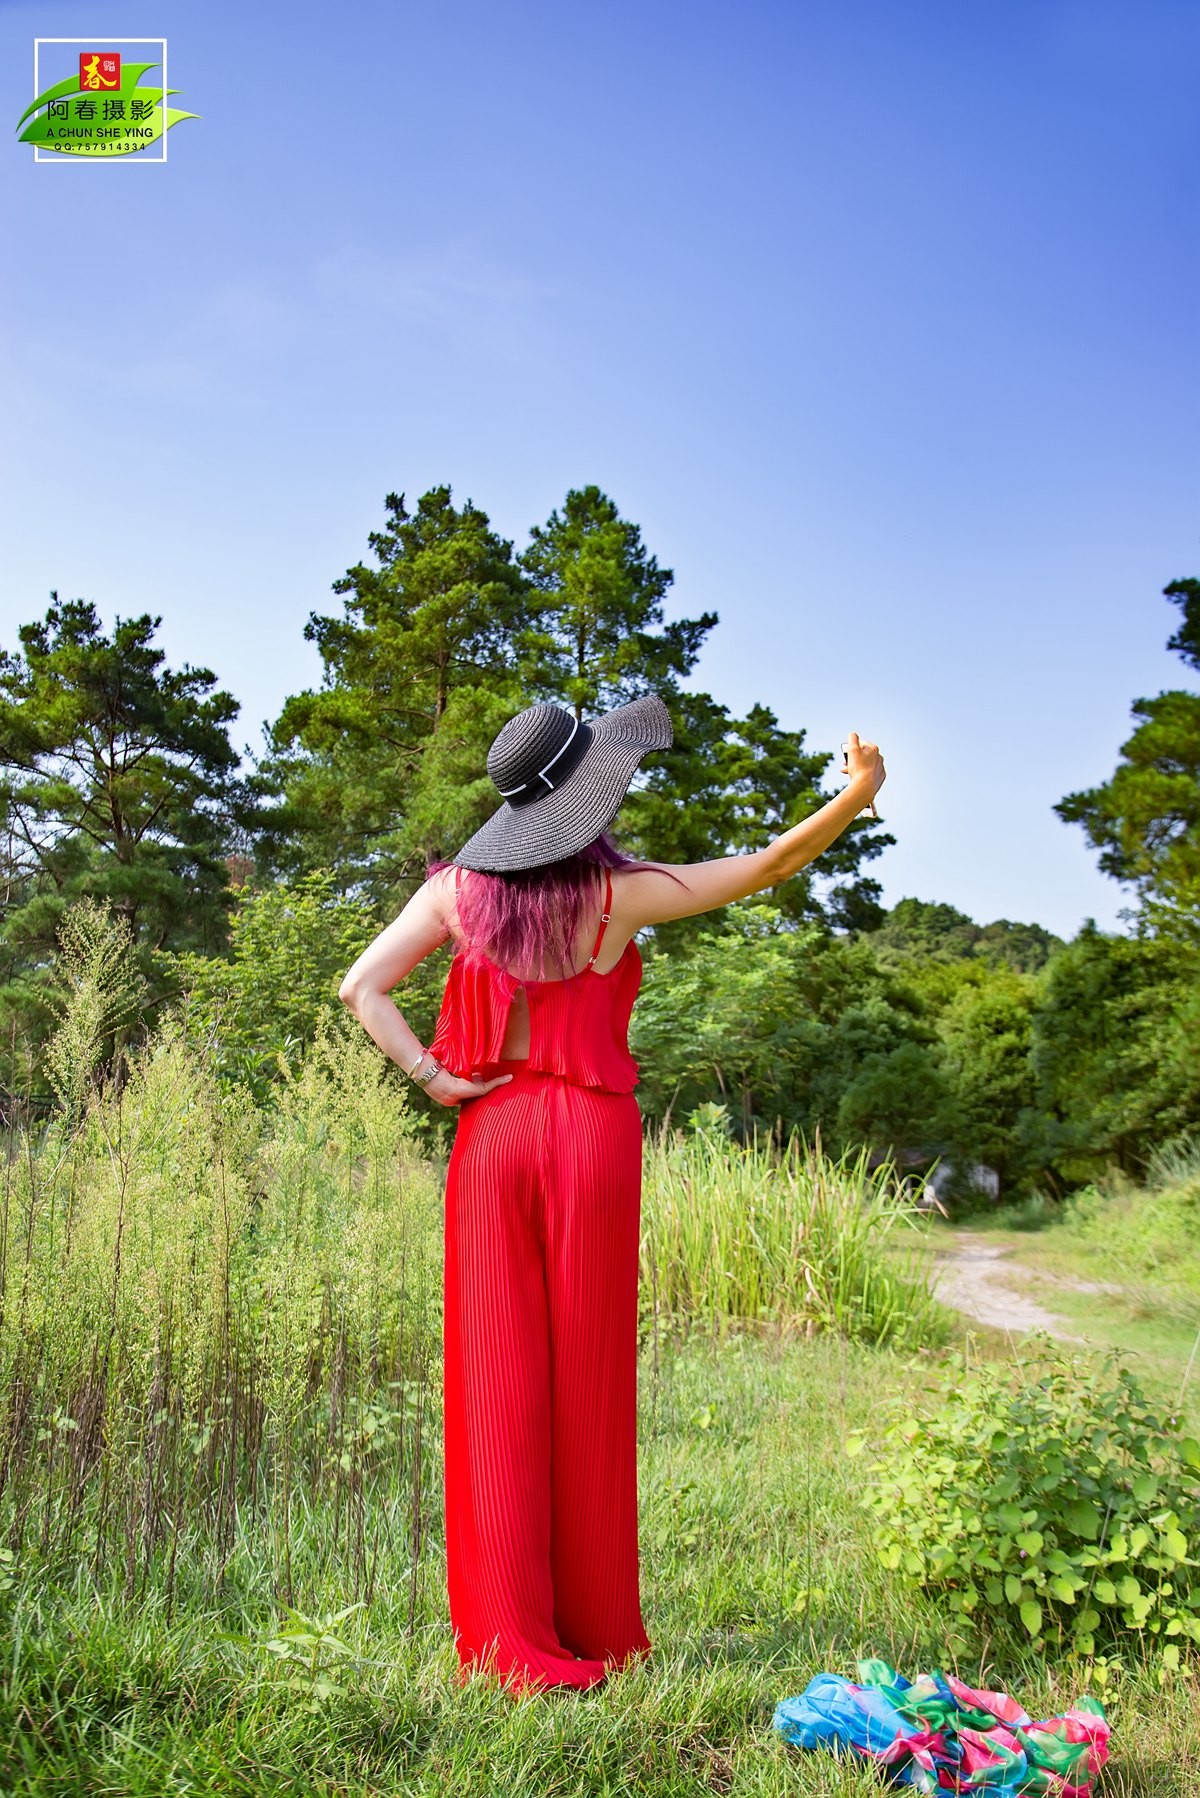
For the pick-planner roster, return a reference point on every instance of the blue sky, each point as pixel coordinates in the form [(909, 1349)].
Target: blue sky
[(879, 319)]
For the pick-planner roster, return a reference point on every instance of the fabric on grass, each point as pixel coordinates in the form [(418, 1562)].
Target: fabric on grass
[(935, 1734)]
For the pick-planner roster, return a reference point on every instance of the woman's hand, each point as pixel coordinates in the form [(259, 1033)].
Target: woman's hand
[(448, 1089), (864, 760)]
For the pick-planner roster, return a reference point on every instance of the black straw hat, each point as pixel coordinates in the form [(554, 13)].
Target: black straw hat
[(562, 781)]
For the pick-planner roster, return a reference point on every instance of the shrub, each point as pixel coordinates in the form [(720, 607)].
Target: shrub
[(289, 947), (1049, 1497), (102, 993)]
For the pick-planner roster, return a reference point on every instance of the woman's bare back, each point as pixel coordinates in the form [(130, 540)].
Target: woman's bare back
[(516, 1035)]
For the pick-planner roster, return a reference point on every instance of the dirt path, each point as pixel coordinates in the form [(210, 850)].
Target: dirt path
[(979, 1279)]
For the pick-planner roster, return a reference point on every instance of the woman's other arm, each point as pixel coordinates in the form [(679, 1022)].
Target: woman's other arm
[(383, 964), (652, 898)]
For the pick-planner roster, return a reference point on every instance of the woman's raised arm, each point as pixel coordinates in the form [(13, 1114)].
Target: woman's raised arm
[(653, 898)]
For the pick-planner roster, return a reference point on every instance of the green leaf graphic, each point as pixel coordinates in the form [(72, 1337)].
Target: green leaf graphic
[(132, 135), (131, 74), (86, 131)]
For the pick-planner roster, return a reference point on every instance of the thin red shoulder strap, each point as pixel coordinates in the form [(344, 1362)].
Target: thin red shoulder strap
[(604, 916)]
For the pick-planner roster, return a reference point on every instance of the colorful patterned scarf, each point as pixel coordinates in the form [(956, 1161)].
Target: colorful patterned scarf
[(937, 1735)]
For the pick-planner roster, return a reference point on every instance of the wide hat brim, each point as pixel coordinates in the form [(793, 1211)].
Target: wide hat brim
[(573, 815)]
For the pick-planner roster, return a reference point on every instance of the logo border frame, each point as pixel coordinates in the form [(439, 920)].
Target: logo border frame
[(132, 161)]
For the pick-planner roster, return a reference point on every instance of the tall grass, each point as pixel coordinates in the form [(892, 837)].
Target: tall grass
[(760, 1232), (212, 1316), (1148, 1236), (1175, 1163)]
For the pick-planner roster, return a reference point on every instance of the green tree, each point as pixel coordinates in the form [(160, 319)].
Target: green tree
[(776, 1021), (118, 783), (384, 768), (772, 781), (896, 1102), (728, 786), (987, 1064), (725, 1022), (379, 770), (1115, 1054), (930, 931), (1024, 947), (1145, 820), (599, 638), (926, 930)]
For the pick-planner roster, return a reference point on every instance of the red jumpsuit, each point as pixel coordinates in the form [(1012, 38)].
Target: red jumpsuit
[(542, 1227)]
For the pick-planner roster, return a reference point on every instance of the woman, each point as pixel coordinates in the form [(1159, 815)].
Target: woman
[(543, 1187)]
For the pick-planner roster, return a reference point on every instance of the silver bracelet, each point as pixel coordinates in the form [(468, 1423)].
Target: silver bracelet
[(416, 1064), (434, 1068)]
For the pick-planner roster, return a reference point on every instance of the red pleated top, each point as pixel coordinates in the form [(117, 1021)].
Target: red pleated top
[(578, 1026)]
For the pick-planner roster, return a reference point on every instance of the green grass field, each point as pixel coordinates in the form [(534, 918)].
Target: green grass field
[(758, 1573)]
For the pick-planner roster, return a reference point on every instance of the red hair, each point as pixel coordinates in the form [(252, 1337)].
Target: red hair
[(526, 916)]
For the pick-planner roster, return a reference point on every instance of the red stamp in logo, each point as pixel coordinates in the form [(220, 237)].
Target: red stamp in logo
[(99, 71)]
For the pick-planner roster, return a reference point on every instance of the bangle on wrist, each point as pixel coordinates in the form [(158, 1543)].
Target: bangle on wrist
[(435, 1067), (416, 1064)]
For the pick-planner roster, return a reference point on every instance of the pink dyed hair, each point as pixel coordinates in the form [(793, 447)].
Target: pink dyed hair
[(529, 916)]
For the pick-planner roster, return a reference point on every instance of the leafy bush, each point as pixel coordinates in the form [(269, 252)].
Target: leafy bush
[(289, 947), (1049, 1498)]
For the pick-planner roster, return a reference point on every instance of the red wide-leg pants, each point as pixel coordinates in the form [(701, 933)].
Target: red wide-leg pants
[(542, 1225)]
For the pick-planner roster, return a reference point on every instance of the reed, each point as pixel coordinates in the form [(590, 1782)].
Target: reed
[(784, 1233)]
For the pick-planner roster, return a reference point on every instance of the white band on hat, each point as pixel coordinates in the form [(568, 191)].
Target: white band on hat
[(541, 773)]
